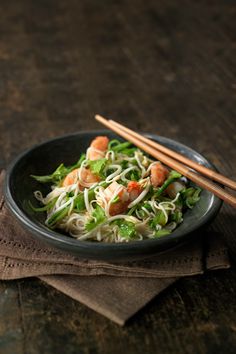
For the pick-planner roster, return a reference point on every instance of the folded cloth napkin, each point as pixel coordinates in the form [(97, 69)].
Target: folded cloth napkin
[(110, 289)]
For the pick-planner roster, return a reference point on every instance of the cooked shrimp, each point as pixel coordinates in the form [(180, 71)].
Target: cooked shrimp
[(71, 178), (126, 195), (159, 174), (113, 190), (134, 189), (87, 177), (174, 188), (118, 208), (97, 148)]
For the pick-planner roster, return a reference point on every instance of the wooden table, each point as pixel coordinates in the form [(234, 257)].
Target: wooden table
[(160, 66)]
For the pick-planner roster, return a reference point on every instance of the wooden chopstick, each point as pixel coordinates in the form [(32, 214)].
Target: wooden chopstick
[(169, 161)]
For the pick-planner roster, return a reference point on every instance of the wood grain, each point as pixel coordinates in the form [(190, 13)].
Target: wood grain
[(156, 66)]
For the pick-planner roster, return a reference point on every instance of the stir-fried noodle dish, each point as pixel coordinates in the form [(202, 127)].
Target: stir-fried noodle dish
[(115, 193)]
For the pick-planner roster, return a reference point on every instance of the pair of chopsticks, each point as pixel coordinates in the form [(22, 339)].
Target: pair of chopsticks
[(176, 161)]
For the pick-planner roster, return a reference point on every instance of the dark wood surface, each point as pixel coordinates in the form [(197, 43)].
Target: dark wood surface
[(160, 66)]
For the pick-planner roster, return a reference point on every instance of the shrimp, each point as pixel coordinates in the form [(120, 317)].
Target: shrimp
[(71, 178), (87, 177), (134, 189), (159, 174), (113, 190), (96, 151), (126, 195), (118, 208), (97, 148), (174, 188)]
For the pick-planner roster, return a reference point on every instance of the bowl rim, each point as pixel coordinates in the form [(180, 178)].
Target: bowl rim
[(56, 237)]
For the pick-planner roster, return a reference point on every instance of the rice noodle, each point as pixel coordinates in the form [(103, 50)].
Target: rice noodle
[(136, 155), (86, 200), (110, 155), (115, 175)]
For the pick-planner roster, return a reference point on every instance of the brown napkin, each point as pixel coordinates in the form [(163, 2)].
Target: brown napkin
[(117, 291)]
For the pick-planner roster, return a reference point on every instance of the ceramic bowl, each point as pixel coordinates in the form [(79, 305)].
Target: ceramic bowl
[(44, 158)]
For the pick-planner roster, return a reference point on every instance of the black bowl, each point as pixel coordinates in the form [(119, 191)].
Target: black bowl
[(44, 158)]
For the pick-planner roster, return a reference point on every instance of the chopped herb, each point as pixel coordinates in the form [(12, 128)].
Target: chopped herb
[(124, 164), (79, 204), (134, 162), (70, 194), (135, 175), (177, 216), (98, 217), (126, 228), (109, 171), (191, 196), (159, 219), (97, 166)]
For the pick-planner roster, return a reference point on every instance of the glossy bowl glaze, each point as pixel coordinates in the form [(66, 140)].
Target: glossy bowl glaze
[(44, 158)]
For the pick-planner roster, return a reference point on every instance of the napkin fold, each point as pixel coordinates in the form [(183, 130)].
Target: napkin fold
[(116, 291)]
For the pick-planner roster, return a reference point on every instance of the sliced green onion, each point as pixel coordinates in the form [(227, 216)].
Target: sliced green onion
[(162, 232), (58, 216), (46, 207)]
